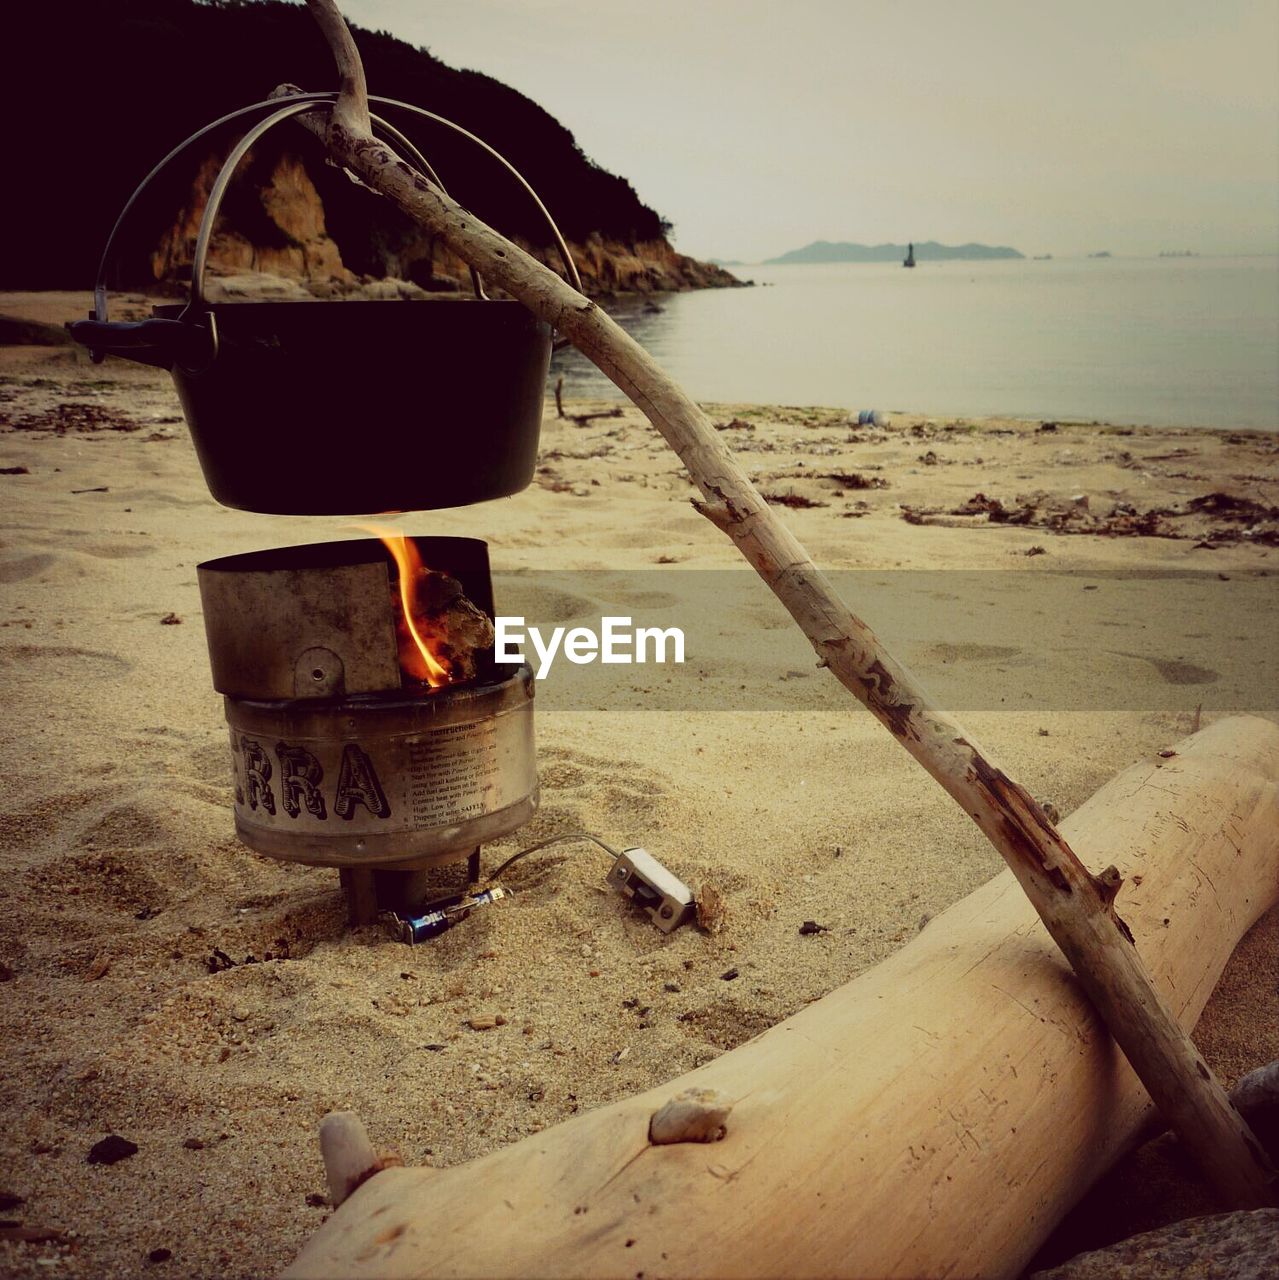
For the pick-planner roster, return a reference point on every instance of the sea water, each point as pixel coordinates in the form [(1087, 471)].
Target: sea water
[(1160, 341)]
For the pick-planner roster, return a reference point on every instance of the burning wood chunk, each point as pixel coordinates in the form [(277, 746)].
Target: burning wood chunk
[(447, 623)]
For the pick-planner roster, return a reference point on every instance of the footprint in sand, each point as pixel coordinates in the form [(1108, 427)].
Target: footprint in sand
[(161, 498), (67, 662), (1174, 670), (40, 822), (112, 549), (573, 782), (725, 1023), (540, 606), (69, 563), (765, 617), (622, 598), (20, 568), (108, 878), (129, 825), (135, 845), (973, 652), (105, 847)]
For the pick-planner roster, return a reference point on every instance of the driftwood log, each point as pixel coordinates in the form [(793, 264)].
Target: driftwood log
[(936, 1116), (1076, 906)]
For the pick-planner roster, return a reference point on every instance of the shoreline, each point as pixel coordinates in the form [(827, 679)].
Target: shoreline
[(897, 418), (55, 307), (1129, 342), (124, 880)]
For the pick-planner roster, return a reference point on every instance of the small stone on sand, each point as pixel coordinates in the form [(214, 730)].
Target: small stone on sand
[(112, 1149)]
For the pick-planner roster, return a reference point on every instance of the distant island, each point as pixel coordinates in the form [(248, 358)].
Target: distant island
[(843, 251)]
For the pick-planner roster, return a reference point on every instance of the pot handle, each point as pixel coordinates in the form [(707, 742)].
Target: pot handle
[(292, 107), (100, 310), (158, 342), (561, 246)]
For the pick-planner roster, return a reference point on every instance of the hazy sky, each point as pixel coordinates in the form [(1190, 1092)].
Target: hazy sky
[(1065, 128)]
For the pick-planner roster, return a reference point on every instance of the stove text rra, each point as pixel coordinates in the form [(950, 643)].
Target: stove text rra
[(299, 776)]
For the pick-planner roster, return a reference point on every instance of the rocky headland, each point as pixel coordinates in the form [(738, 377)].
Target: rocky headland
[(306, 232), (287, 214)]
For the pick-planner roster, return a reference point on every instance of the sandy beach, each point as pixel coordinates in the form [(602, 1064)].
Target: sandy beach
[(161, 982)]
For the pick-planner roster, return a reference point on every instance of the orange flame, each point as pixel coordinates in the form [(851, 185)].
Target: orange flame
[(408, 563)]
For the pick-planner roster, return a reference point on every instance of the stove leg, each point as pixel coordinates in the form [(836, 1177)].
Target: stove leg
[(370, 891), (401, 891), (361, 895)]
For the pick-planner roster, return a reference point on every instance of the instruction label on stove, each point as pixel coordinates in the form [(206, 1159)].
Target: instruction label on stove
[(455, 773)]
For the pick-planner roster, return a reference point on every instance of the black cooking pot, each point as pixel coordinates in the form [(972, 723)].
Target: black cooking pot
[(336, 408), (310, 408)]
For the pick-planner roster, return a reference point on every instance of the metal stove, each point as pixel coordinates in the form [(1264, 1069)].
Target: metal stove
[(343, 758)]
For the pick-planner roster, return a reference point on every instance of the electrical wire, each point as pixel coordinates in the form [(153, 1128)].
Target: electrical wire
[(562, 839)]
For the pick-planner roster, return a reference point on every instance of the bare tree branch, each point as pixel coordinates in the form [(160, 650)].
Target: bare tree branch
[(351, 111)]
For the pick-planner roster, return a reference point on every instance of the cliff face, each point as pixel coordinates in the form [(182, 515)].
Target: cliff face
[(275, 221), (290, 238)]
